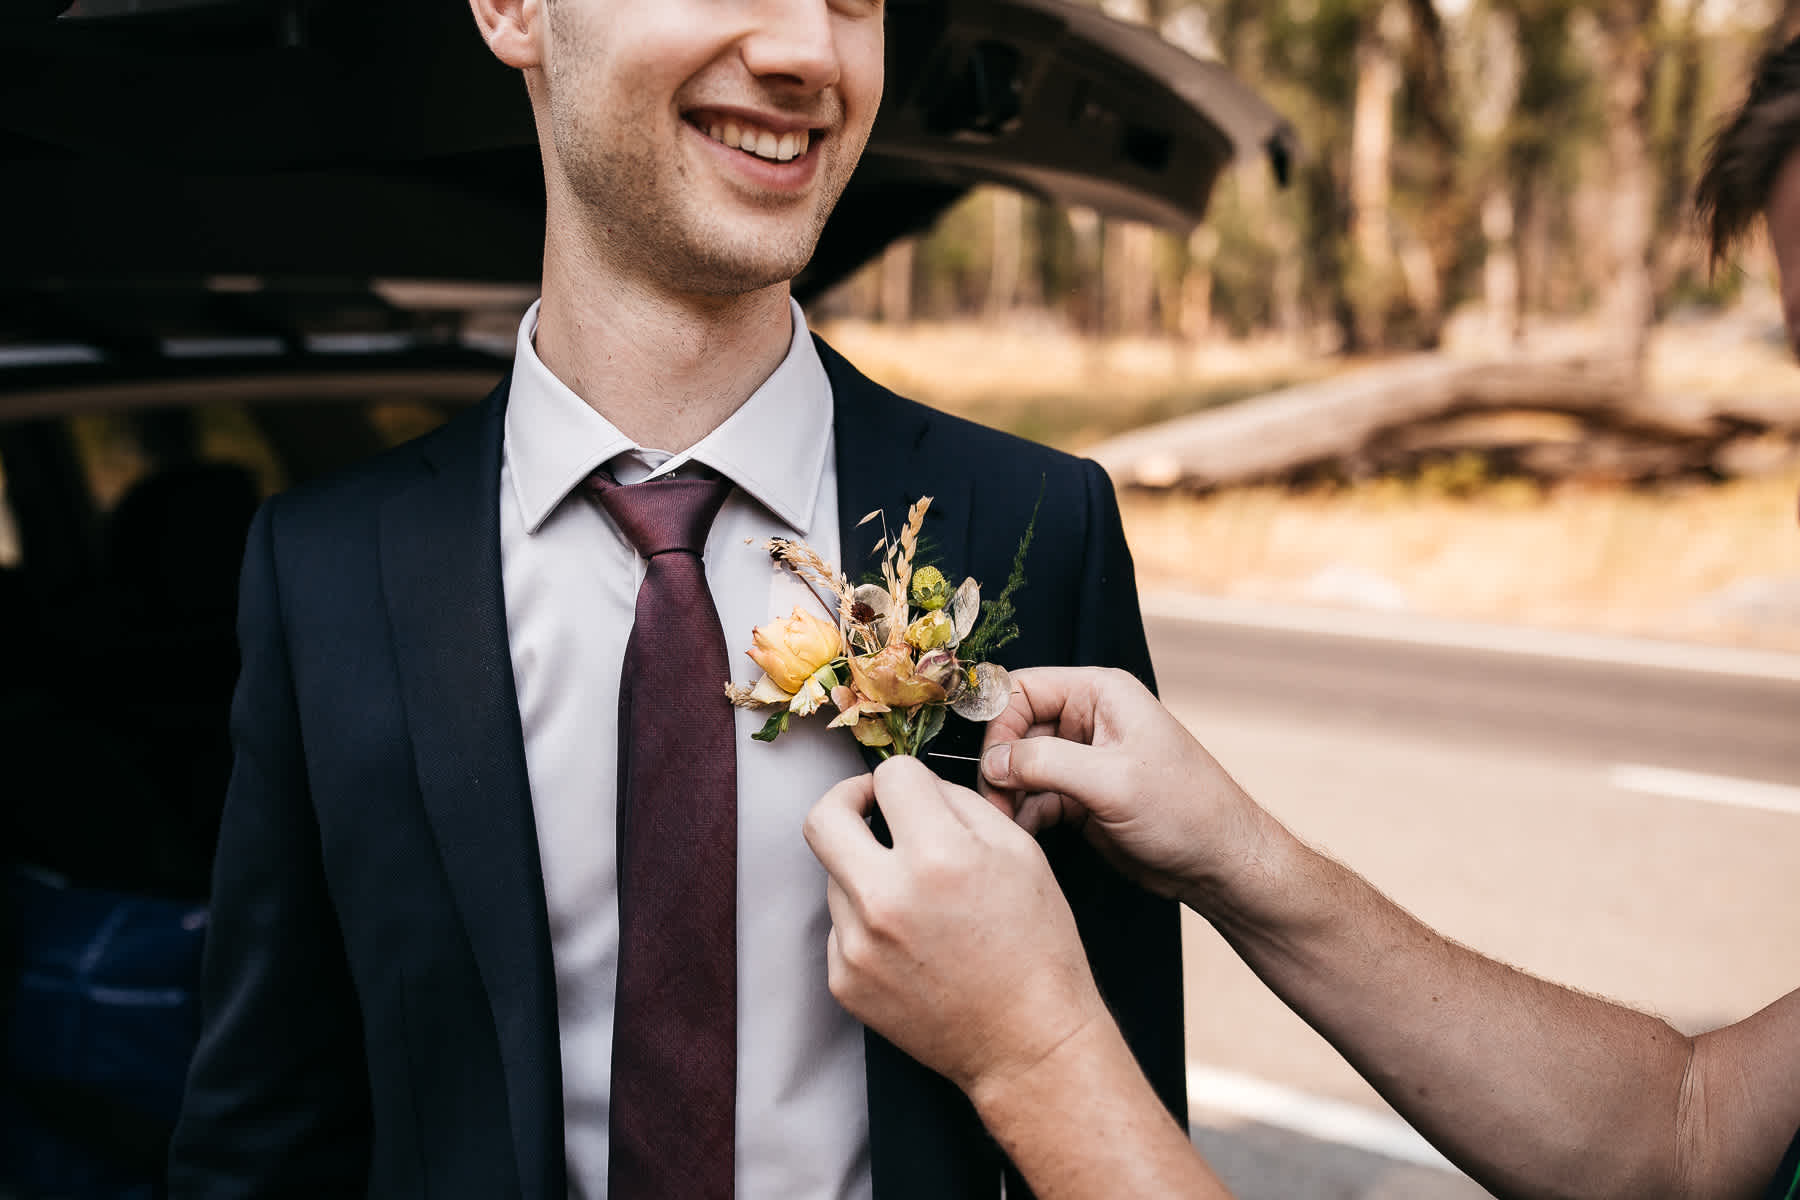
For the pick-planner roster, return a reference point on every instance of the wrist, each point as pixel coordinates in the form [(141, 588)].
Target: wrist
[(1251, 881), (1007, 1088)]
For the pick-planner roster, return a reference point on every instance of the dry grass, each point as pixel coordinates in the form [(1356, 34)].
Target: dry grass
[(1581, 558), (1607, 560)]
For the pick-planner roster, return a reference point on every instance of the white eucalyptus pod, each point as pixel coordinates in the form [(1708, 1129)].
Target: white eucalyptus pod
[(880, 602), (965, 606), (988, 698)]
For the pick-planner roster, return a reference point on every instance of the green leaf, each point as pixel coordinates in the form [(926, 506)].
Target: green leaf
[(931, 723), (997, 626), (774, 728)]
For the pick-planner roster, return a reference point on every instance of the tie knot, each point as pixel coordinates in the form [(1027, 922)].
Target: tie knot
[(659, 515)]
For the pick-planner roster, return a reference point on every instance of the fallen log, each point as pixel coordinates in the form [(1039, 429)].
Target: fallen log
[(1388, 415)]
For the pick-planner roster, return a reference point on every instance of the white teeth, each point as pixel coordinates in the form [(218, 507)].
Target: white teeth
[(779, 147)]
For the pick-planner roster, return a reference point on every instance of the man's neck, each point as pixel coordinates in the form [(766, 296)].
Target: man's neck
[(665, 370)]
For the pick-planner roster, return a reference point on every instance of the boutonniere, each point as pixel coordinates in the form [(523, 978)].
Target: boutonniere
[(891, 657)]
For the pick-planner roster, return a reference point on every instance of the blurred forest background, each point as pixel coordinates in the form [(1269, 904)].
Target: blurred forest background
[(1485, 280), (1533, 156)]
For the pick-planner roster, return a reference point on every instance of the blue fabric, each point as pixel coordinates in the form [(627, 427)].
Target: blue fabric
[(104, 1014)]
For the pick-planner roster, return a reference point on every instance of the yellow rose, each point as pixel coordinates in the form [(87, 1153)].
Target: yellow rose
[(887, 677), (792, 650)]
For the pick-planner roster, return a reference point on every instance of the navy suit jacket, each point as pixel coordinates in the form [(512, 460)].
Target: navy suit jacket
[(380, 1003)]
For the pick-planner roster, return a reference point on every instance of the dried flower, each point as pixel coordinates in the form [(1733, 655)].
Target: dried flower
[(813, 693), (895, 661), (930, 590), (988, 692), (940, 667), (873, 733), (932, 631), (888, 677)]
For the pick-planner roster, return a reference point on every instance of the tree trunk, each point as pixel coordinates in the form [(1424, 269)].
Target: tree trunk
[(1532, 209), (1675, 254), (1402, 412), (1500, 264), (1197, 284), (1495, 104), (1374, 269), (897, 282), (1440, 146), (1086, 307), (1624, 70), (1009, 245), (1129, 271)]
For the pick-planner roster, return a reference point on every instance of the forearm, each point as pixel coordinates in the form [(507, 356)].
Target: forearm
[(1532, 1088), (1083, 1122)]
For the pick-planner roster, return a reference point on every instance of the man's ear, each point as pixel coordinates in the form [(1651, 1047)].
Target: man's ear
[(512, 29)]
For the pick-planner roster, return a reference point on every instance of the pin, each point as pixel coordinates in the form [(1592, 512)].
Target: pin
[(957, 757)]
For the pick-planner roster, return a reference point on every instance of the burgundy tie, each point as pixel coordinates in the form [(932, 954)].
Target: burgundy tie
[(674, 1064)]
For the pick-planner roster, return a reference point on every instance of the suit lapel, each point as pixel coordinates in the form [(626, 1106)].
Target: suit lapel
[(440, 555), (885, 461), (924, 1137)]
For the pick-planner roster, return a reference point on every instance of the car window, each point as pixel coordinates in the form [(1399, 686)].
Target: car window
[(121, 538), (280, 444)]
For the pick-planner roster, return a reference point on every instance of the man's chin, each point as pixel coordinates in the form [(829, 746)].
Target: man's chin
[(726, 272)]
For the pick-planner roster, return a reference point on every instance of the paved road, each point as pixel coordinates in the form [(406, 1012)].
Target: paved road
[(1540, 807)]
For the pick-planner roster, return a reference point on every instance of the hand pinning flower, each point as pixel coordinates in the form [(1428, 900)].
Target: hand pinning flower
[(890, 662)]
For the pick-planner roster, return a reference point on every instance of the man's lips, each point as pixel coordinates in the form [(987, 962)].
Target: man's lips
[(770, 139)]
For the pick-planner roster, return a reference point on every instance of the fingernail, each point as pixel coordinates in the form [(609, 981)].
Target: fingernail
[(996, 764)]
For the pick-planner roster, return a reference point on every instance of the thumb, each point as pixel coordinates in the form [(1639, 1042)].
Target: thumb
[(1051, 764)]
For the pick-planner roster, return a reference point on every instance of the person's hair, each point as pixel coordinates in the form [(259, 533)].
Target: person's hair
[(1749, 150)]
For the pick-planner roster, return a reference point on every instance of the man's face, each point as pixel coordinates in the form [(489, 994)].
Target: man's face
[(643, 97)]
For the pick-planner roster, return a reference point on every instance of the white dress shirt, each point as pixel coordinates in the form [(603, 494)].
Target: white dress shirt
[(571, 583)]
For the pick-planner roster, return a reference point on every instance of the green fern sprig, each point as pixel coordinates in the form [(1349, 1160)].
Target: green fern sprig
[(997, 626)]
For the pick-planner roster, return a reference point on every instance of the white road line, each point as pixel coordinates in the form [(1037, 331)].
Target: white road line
[(1251, 1099), (1417, 630), (1709, 789)]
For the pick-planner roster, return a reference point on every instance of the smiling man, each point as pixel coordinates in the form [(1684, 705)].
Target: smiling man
[(507, 901)]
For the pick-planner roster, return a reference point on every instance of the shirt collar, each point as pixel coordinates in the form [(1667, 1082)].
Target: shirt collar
[(773, 446)]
